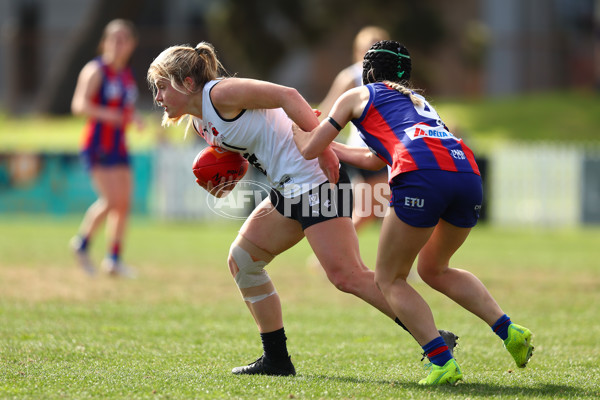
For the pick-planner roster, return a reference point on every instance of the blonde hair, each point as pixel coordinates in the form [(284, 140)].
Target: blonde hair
[(365, 38), (177, 63), (410, 93), (115, 24)]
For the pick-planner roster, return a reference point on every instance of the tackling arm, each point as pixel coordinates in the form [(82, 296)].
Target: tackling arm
[(360, 157)]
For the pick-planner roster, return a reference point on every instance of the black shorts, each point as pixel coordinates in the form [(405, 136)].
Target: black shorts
[(318, 204), (365, 174)]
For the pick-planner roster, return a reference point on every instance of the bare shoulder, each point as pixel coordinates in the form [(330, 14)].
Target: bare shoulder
[(243, 93), (226, 88), (357, 94), (234, 83), (348, 76), (224, 91), (91, 70), (355, 100)]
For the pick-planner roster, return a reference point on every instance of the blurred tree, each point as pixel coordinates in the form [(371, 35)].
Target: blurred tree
[(255, 36), (56, 92), (23, 60)]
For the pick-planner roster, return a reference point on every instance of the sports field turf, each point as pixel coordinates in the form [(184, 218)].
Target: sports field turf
[(177, 330)]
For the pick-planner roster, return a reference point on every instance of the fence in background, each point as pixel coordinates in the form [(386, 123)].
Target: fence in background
[(544, 184), (57, 183), (526, 184), (176, 195)]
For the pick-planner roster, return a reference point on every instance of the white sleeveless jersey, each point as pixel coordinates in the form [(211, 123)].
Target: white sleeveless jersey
[(263, 137)]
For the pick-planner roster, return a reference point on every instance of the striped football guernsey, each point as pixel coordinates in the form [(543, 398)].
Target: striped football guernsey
[(105, 142), (410, 138)]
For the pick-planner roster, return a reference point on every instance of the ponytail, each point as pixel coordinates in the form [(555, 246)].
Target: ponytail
[(405, 91), (206, 64)]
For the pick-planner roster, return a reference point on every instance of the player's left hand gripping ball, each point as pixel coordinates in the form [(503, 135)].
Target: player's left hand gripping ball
[(213, 163)]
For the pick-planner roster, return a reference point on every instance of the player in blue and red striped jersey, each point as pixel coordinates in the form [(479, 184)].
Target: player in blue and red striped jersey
[(105, 93), (436, 197)]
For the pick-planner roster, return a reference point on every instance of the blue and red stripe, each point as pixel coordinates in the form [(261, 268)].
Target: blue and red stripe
[(105, 142), (390, 126)]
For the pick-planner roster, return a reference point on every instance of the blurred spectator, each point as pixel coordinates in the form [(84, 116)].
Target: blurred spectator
[(105, 94), (368, 195)]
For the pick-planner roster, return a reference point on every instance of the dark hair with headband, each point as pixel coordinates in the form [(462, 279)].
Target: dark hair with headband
[(386, 60)]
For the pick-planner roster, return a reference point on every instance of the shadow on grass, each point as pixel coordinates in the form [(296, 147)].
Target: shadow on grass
[(540, 390)]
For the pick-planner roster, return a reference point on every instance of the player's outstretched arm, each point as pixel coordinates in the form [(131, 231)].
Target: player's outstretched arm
[(359, 157), (233, 95), (349, 106)]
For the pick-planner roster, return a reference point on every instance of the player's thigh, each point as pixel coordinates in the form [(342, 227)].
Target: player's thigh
[(399, 245), (335, 243), (101, 180), (267, 229), (444, 242), (121, 181), (113, 183)]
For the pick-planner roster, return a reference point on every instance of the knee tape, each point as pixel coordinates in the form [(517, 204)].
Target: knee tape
[(255, 299), (251, 273)]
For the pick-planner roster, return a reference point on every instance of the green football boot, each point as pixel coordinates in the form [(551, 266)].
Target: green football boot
[(518, 344), (450, 373)]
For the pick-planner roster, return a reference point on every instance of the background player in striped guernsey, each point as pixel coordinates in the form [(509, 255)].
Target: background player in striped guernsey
[(105, 94), (436, 196)]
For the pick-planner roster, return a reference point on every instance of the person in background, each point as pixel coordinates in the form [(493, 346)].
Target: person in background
[(371, 191), (436, 197), (105, 94)]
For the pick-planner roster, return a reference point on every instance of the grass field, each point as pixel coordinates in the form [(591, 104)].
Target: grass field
[(177, 330)]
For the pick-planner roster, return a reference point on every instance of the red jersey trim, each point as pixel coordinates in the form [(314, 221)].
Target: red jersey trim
[(374, 122)]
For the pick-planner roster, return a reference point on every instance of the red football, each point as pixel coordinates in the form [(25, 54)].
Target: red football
[(213, 163)]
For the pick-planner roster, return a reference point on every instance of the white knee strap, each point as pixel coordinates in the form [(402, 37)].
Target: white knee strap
[(250, 273), (254, 299)]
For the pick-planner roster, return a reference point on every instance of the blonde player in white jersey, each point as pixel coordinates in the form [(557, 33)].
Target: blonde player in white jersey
[(255, 118), (256, 135)]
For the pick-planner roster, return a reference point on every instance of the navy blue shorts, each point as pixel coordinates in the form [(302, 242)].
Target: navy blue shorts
[(421, 198), (97, 158)]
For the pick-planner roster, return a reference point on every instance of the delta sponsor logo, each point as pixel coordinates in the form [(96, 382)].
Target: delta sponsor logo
[(422, 130)]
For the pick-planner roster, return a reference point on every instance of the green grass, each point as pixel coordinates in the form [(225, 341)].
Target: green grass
[(177, 330), (561, 116), (63, 133)]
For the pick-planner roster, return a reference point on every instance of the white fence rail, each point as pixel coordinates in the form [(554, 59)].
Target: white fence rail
[(176, 194), (537, 184), (527, 184)]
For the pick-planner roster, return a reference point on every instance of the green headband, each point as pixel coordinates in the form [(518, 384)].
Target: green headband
[(389, 51), (400, 73)]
